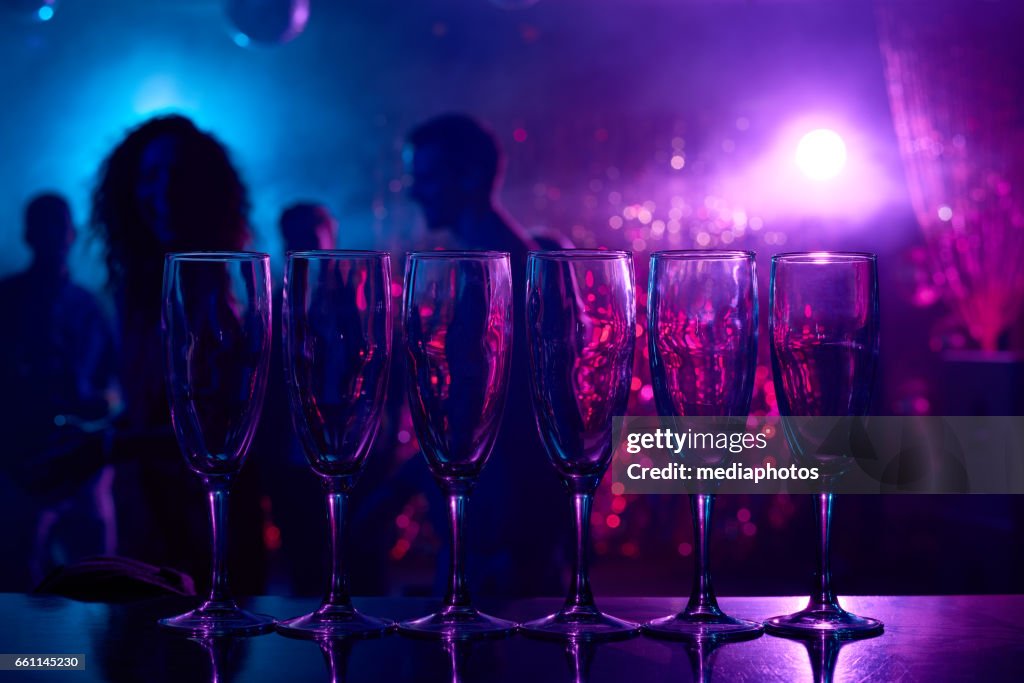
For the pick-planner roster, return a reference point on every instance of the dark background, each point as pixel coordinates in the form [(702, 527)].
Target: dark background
[(591, 100)]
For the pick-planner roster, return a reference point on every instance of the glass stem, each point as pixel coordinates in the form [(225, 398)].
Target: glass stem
[(699, 653), (336, 653), (580, 655), (455, 656), (337, 594), (580, 595), (823, 597), (218, 650), (824, 653), (217, 493), (458, 592), (702, 596)]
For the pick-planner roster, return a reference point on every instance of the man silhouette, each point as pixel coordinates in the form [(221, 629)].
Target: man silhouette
[(58, 366)]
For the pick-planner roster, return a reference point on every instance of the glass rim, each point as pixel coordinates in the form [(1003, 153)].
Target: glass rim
[(582, 254), (704, 254), (457, 254), (825, 257), (216, 256), (313, 254)]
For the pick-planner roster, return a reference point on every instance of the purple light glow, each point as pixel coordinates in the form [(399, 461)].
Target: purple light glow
[(811, 170)]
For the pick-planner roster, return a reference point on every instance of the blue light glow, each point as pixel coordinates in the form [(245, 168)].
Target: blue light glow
[(45, 13), (160, 93), (241, 40)]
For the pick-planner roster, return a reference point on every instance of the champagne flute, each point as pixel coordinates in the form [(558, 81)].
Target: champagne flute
[(702, 337), (337, 353), (824, 341), (581, 330), (216, 332), (457, 311)]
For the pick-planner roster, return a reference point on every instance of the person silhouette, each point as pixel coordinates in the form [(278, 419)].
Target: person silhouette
[(57, 375), (519, 525), (296, 496), (456, 166), (306, 226), (168, 187)]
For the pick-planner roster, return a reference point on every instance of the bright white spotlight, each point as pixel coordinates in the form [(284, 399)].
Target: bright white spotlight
[(821, 154)]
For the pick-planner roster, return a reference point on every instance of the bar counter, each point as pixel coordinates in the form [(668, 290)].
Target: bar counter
[(927, 638)]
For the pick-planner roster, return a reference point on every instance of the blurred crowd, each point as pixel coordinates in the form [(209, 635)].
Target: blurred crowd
[(92, 467)]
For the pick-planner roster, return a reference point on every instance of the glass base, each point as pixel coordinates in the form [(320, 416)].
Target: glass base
[(457, 623), (587, 624), (334, 621), (219, 619), (703, 625), (825, 620)]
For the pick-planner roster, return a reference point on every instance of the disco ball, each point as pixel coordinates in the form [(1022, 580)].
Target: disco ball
[(40, 10), (267, 22)]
